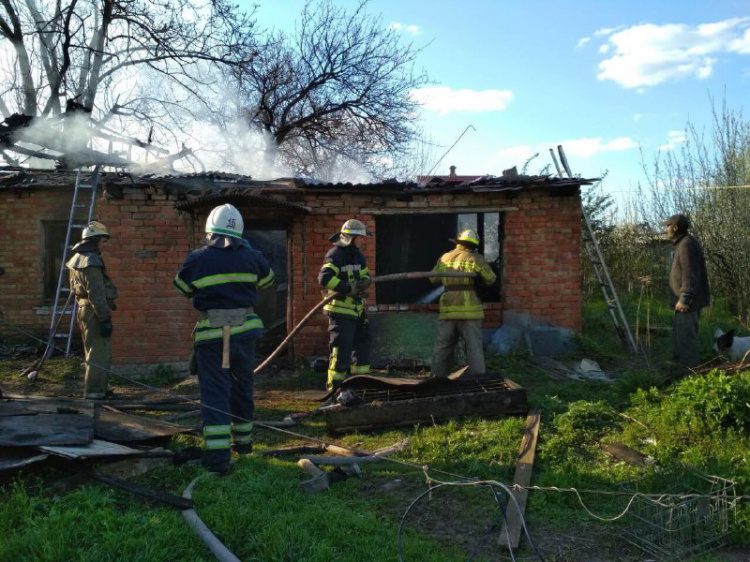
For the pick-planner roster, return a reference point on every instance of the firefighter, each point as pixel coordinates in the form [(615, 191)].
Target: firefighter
[(461, 310), (222, 278), (345, 272), (95, 295)]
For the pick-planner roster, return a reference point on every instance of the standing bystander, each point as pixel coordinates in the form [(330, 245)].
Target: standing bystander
[(688, 282)]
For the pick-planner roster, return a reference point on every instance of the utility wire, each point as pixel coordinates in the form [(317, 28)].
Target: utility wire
[(461, 480), (451, 148)]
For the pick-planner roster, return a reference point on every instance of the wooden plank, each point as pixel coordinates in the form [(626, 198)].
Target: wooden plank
[(512, 526), (46, 429), (13, 408), (510, 400), (97, 448), (125, 428), (13, 459)]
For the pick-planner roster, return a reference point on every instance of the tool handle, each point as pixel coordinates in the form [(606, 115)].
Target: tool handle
[(226, 336)]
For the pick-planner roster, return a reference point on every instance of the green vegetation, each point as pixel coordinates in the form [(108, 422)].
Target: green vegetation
[(699, 421)]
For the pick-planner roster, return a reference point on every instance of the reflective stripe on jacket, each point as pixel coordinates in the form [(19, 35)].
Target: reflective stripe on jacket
[(342, 267), (224, 278), (457, 304)]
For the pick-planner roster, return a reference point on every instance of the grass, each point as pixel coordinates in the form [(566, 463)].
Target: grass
[(260, 513)]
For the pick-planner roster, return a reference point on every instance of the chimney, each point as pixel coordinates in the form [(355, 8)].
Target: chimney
[(453, 172)]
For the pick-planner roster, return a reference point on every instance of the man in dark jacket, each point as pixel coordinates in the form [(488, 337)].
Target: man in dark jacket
[(222, 279), (95, 295), (345, 272), (690, 292)]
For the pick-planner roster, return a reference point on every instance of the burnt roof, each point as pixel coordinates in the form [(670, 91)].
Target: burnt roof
[(211, 185)]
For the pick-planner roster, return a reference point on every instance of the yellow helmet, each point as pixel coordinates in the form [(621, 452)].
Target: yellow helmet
[(95, 229), (468, 236)]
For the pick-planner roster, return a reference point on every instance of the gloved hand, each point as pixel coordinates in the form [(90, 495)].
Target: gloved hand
[(105, 328), (363, 284)]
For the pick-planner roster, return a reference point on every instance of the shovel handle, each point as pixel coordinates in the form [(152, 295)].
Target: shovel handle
[(226, 336)]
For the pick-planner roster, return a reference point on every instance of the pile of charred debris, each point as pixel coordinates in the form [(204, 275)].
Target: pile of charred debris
[(105, 441), (87, 441)]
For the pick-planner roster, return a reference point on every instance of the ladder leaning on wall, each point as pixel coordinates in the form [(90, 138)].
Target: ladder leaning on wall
[(81, 213), (596, 258)]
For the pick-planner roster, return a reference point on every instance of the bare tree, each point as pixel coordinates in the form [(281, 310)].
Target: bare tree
[(131, 64), (338, 89), (709, 179)]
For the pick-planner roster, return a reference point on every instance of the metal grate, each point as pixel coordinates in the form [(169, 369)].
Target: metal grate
[(396, 394), (691, 518)]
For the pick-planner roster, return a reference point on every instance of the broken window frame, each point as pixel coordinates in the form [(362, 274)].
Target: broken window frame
[(420, 239), (53, 249)]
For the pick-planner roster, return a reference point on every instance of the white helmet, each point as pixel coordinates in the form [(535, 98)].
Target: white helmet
[(353, 227), (95, 229), (225, 220)]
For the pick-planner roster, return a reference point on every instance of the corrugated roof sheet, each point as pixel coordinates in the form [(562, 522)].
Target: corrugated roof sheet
[(215, 183)]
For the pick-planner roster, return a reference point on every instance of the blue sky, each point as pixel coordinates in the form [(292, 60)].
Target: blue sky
[(605, 79)]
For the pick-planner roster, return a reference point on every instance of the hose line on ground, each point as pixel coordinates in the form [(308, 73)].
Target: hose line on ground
[(329, 298)]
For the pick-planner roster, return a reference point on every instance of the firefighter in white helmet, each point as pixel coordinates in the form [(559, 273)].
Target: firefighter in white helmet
[(345, 272), (461, 310), (95, 296), (223, 279)]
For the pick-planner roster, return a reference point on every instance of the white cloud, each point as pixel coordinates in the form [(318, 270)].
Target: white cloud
[(581, 148), (582, 41), (603, 32), (444, 99), (673, 139), (648, 54), (410, 29)]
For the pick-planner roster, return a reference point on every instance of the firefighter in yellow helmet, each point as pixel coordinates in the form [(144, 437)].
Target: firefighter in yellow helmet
[(461, 310), (345, 272), (95, 295)]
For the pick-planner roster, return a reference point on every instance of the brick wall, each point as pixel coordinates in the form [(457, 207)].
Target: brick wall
[(150, 240), (541, 266), (22, 304)]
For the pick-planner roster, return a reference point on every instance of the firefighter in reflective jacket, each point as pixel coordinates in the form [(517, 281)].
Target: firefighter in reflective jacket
[(461, 310), (222, 279), (95, 295), (345, 272)]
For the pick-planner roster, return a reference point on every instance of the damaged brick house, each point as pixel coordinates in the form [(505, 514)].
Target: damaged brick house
[(530, 227)]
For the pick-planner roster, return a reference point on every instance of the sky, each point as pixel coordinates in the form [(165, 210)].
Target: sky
[(613, 82)]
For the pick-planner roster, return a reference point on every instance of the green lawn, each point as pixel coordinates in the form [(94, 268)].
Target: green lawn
[(260, 513)]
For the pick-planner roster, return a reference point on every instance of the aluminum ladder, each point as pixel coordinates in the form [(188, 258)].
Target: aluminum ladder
[(81, 214), (599, 266)]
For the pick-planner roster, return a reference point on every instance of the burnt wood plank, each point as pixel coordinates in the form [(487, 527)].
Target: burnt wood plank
[(512, 525), (124, 428), (13, 459), (46, 429), (509, 400)]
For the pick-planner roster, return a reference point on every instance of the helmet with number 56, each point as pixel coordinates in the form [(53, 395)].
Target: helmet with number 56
[(225, 220)]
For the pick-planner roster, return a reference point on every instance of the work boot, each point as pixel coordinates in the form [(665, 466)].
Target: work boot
[(243, 449)]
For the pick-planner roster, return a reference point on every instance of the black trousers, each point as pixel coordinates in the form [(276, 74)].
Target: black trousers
[(349, 344)]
